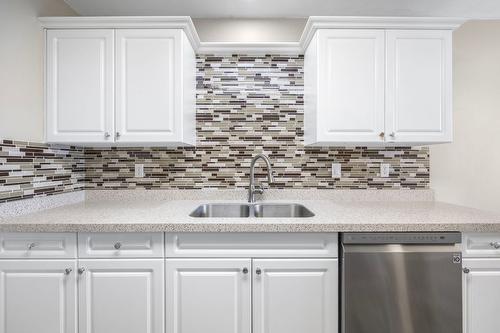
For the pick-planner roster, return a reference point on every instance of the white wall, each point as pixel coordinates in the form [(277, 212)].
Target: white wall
[(467, 171), (21, 66), (250, 30)]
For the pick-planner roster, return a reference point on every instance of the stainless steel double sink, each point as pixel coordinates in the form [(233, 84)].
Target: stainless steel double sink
[(283, 210)]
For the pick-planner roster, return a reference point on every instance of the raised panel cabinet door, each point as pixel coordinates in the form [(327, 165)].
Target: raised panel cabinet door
[(419, 86), (481, 295), (148, 85), (121, 296), (295, 296), (79, 86), (38, 296), (208, 295), (350, 85)]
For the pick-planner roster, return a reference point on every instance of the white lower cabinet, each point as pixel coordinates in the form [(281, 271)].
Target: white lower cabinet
[(123, 283), (295, 296), (121, 296), (481, 295), (216, 295), (208, 295), (38, 296)]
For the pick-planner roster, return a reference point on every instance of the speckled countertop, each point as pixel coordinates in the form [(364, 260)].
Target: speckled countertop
[(125, 211)]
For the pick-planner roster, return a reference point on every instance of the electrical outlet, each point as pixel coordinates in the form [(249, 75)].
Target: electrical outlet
[(336, 170), (385, 169), (139, 170)]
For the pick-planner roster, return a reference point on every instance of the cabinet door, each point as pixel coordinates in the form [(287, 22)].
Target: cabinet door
[(121, 296), (148, 85), (79, 91), (208, 295), (419, 106), (482, 296), (295, 296), (350, 86), (38, 296)]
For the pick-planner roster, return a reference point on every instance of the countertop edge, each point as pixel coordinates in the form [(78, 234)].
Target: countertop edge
[(254, 228)]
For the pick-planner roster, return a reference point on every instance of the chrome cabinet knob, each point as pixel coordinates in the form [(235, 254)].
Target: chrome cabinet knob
[(258, 271), (382, 135), (81, 270), (495, 245), (68, 271), (118, 135), (107, 135), (244, 270), (118, 245), (466, 270), (392, 135), (31, 246)]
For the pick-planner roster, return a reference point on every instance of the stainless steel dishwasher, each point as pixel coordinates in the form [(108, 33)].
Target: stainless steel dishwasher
[(401, 283)]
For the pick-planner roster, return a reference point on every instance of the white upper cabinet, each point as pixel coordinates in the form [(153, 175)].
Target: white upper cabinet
[(349, 90), (79, 87), (419, 85), (133, 83), (150, 75), (378, 81)]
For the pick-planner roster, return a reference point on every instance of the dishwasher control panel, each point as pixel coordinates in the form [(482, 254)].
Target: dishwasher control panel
[(402, 238)]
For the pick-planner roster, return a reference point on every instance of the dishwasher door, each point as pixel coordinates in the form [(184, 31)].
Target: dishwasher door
[(401, 288)]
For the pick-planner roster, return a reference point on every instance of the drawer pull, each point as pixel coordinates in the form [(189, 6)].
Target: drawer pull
[(495, 245), (31, 246), (466, 270), (118, 245), (258, 271)]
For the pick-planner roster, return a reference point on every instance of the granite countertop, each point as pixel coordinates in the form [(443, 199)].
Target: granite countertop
[(145, 214)]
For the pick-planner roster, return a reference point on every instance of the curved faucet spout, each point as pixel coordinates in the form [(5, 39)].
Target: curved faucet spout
[(252, 188)]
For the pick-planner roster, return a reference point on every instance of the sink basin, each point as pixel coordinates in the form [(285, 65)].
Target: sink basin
[(282, 210), (221, 210)]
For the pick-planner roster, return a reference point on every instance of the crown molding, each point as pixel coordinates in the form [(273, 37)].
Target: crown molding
[(125, 22), (186, 24), (288, 48), (354, 22)]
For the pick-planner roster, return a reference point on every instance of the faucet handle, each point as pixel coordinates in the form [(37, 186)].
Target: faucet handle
[(274, 174), (259, 189)]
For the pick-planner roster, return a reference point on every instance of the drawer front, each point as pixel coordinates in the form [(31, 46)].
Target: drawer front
[(118, 245), (37, 245), (254, 245), (481, 245)]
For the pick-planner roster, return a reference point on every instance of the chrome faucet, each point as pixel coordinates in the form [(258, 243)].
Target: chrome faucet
[(252, 188)]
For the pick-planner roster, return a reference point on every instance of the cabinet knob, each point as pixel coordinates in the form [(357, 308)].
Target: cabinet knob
[(31, 246), (466, 270), (118, 245), (118, 135), (495, 245), (382, 135), (68, 271), (244, 270), (81, 270), (107, 135), (258, 271), (392, 135)]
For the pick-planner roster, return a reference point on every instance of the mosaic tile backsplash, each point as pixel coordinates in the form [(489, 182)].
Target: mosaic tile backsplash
[(31, 169), (245, 105)]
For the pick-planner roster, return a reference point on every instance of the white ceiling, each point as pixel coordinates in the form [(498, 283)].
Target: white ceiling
[(289, 8)]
